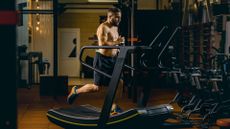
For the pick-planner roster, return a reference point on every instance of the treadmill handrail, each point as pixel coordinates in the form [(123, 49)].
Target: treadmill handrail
[(160, 32), (96, 47), (152, 43), (109, 47), (171, 37)]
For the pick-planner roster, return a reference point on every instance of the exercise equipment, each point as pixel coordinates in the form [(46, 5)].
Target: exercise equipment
[(205, 91), (36, 66), (87, 117)]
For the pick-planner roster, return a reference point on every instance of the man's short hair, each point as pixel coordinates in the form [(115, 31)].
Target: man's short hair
[(114, 10)]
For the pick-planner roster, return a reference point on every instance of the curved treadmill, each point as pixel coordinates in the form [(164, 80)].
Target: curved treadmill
[(87, 116)]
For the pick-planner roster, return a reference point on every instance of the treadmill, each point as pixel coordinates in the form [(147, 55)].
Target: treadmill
[(90, 117)]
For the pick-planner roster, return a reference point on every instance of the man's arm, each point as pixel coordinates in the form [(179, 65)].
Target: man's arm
[(102, 35)]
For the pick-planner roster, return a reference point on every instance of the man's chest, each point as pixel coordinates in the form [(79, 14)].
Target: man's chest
[(113, 34)]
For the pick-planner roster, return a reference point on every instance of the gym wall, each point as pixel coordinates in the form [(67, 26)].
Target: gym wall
[(151, 4), (87, 22)]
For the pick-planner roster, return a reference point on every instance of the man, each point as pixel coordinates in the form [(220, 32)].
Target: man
[(104, 60)]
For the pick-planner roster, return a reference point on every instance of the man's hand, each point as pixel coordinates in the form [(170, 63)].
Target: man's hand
[(120, 40)]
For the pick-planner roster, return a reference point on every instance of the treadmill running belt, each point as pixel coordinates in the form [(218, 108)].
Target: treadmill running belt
[(86, 111), (86, 116)]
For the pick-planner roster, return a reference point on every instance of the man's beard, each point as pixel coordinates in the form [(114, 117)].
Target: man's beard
[(115, 23)]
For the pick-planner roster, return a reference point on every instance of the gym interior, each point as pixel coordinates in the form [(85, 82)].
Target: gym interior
[(174, 62)]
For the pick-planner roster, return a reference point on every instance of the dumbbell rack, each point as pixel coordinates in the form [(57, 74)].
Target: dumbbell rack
[(196, 45)]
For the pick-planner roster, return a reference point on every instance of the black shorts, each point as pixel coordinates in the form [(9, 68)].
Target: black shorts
[(105, 64)]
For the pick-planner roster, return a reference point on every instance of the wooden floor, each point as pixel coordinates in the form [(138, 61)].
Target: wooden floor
[(32, 107)]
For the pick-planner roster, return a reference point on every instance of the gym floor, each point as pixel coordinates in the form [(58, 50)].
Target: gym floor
[(32, 107)]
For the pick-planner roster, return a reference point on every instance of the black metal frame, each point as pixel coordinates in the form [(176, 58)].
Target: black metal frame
[(36, 11), (8, 111), (115, 78), (55, 37)]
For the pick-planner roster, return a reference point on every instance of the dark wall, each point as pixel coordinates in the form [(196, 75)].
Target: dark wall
[(149, 22)]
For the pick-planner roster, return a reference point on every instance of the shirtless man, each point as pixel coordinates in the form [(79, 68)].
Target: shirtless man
[(104, 60)]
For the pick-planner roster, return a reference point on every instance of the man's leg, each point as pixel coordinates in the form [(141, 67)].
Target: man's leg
[(75, 91), (94, 88), (87, 88)]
